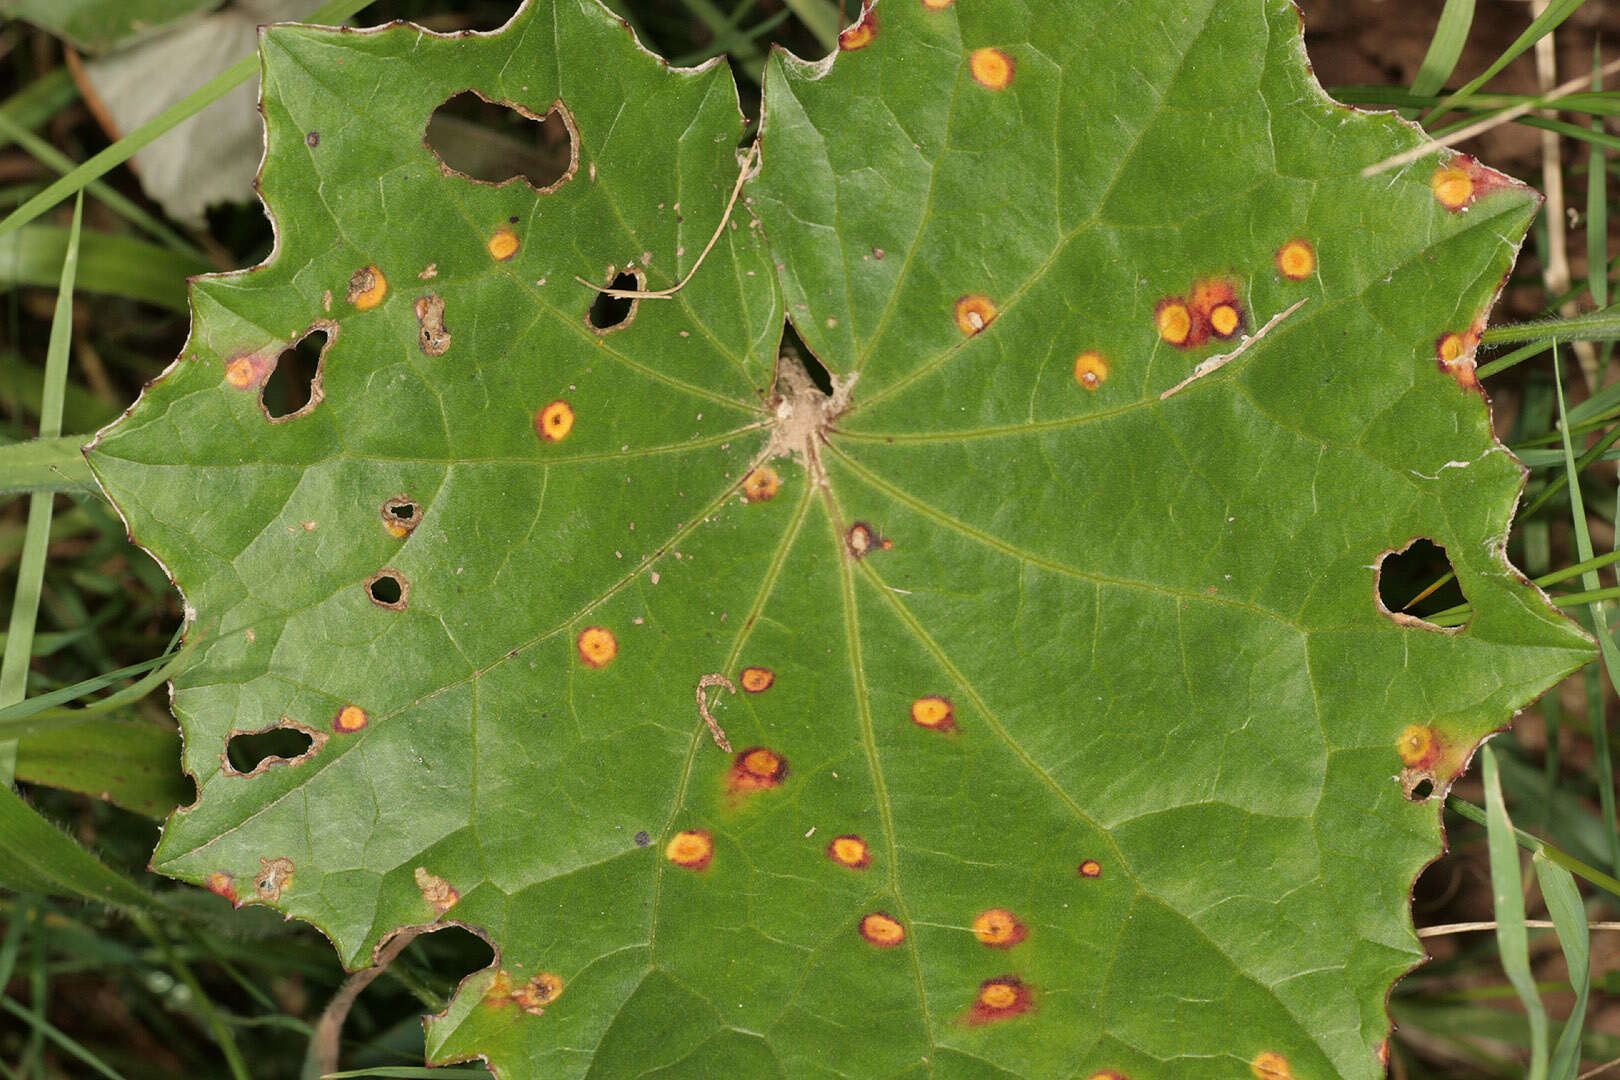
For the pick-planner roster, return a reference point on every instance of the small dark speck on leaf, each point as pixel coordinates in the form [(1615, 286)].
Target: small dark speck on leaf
[(313, 139), (642, 839)]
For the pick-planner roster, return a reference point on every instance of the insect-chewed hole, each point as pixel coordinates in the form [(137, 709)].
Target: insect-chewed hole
[(294, 386), (452, 952), (401, 514), (1405, 575), (793, 345), (248, 751), (1420, 791), (497, 143), (388, 589), (611, 312)]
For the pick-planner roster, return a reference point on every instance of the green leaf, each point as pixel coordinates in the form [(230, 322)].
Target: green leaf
[(1094, 663), (98, 25), (132, 765)]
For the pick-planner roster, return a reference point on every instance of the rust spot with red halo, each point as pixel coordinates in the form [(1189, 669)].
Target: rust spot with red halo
[(1420, 746), (692, 849), (860, 34), (1000, 999), (849, 850), (882, 929), (597, 646), (1463, 181), (222, 884), (250, 371), (999, 928), (1216, 309), (757, 680), (991, 68), (757, 768), (1108, 1074), (1296, 260), (934, 712), (1454, 355), (1091, 868), (862, 539), (350, 719)]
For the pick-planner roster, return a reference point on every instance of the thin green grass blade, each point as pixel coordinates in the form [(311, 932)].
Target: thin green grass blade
[(1569, 918), (205, 1004), (407, 1073), (1597, 562), (1508, 902), (119, 265), (36, 857), (1597, 203), (1606, 645), (1445, 48), (1573, 131), (1540, 27), (43, 712), (31, 569), (190, 105), (46, 465), (1601, 325), (1519, 355), (68, 1044), (1535, 845), (38, 101)]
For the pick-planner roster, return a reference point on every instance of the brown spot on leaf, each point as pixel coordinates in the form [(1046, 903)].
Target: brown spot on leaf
[(1270, 1065), (761, 485), (757, 768), (1000, 999), (862, 539), (1091, 868), (401, 515), (387, 588), (436, 891), (1090, 369), (850, 851), (503, 244), (274, 875), (860, 34), (1454, 355), (882, 929), (999, 928), (367, 287), (757, 680), (431, 336), (541, 990), (597, 646)]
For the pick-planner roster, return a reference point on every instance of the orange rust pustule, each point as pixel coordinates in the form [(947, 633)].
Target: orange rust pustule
[(350, 719), (1215, 309), (934, 712), (1091, 868), (849, 850), (1108, 1074), (1463, 181), (367, 288), (999, 928), (761, 485), (1174, 321), (937, 5), (862, 539), (973, 313), (503, 244), (250, 371), (222, 884), (1000, 999), (757, 680), (1296, 260), (882, 929), (861, 34), (541, 990), (692, 849), (597, 646), (555, 421), (991, 68), (1091, 369), (1420, 747), (1454, 355), (757, 768), (1270, 1065)]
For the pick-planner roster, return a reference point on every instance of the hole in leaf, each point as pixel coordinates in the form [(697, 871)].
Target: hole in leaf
[(793, 345), (401, 515), (611, 312), (248, 752), (1404, 576), (452, 953), (388, 589), (1421, 790), (497, 143), (294, 386)]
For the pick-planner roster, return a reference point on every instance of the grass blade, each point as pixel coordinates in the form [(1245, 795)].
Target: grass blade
[(190, 105), (1601, 325), (31, 568), (120, 265), (1507, 888), (1445, 48), (1569, 917), (1544, 24), (36, 857), (1597, 203), (46, 465)]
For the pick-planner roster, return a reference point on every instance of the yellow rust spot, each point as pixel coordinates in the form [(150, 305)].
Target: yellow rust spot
[(1091, 868), (882, 929), (991, 68), (757, 680), (555, 421), (533, 996), (597, 646), (223, 884), (436, 891), (503, 244), (1454, 354), (862, 540), (692, 849), (1091, 369), (350, 719), (761, 485), (1173, 319), (240, 372), (273, 876), (1000, 999), (1419, 746), (1224, 320), (1108, 1074), (934, 712), (861, 34), (973, 313), (999, 928), (1450, 348), (1270, 1065), (499, 990), (1296, 260), (938, 5), (367, 288), (849, 851), (1453, 187), (757, 768)]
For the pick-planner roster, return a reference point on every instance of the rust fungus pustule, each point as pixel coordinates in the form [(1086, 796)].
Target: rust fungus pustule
[(367, 288), (937, 5), (431, 336), (401, 515), (934, 712), (757, 680), (973, 313), (350, 719), (882, 929), (1108, 1074), (1173, 320), (1419, 746), (757, 768), (499, 991), (999, 928), (1296, 260), (538, 992), (1270, 1065), (1091, 868), (597, 646), (222, 884), (274, 875), (438, 893), (761, 485), (1091, 369), (250, 371), (555, 421), (1453, 187), (1216, 310), (503, 244), (1454, 355), (1000, 999), (849, 850), (861, 34), (862, 539), (991, 68), (693, 849)]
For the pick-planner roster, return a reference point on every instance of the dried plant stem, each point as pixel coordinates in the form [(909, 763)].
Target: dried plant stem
[(322, 1056)]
